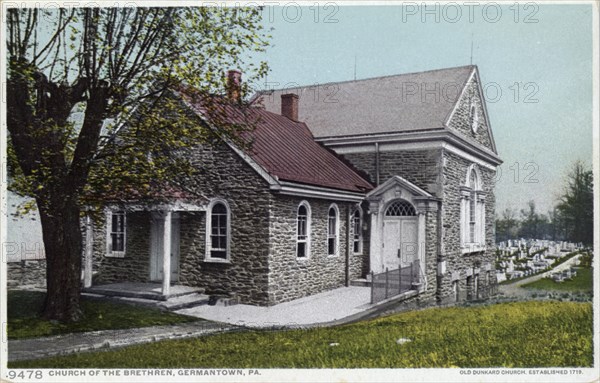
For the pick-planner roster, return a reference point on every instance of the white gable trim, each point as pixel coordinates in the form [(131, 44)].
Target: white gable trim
[(474, 74), (398, 181), (485, 112), (462, 93)]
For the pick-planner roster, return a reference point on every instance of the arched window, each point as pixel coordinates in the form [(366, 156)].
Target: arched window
[(218, 232), (473, 212), (400, 208), (357, 231), (333, 229), (303, 232)]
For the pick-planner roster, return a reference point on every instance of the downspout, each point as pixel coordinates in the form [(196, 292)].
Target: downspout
[(347, 282), (377, 164)]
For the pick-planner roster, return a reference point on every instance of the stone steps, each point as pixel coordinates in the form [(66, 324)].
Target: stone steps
[(185, 301)]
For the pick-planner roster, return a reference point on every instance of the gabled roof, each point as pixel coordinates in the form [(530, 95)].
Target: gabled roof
[(399, 103), (287, 150)]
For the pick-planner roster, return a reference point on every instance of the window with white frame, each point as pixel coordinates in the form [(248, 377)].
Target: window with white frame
[(333, 229), (303, 230), (116, 234), (218, 232), (472, 212), (357, 231)]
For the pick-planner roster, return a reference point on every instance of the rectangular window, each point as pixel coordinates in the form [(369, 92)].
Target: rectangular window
[(116, 234), (301, 249), (357, 239), (472, 217), (331, 236), (302, 236)]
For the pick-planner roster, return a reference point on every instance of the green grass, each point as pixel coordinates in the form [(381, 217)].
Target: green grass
[(518, 334), (584, 282), (24, 321)]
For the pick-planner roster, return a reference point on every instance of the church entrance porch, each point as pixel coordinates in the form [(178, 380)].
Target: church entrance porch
[(398, 228)]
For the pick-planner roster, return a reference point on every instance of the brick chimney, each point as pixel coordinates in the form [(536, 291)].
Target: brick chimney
[(289, 106), (234, 85)]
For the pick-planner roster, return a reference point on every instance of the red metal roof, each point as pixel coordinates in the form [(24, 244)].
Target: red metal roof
[(288, 151)]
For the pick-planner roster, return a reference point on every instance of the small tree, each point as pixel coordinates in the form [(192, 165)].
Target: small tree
[(111, 67)]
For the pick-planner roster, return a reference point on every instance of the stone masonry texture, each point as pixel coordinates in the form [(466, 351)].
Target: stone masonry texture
[(264, 269)]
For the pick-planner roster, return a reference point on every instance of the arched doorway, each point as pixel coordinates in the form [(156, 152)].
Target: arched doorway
[(400, 233)]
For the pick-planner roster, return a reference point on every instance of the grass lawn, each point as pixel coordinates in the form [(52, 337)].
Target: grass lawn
[(584, 281), (518, 334), (24, 321)]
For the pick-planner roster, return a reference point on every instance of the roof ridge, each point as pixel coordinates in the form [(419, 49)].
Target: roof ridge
[(363, 79)]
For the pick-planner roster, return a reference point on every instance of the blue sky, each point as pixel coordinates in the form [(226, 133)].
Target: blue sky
[(543, 123)]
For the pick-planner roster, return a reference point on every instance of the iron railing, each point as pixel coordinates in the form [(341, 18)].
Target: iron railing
[(393, 282)]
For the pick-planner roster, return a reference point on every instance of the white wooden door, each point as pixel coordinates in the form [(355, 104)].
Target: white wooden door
[(391, 244), (156, 252), (408, 241), (400, 247)]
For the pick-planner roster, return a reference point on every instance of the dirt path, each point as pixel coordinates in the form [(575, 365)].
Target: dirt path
[(516, 289)]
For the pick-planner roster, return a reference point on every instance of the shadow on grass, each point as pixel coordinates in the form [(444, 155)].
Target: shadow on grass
[(24, 316)]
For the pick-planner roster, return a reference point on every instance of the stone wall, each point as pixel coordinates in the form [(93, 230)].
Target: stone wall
[(420, 167), (461, 121), (454, 176), (223, 174), (135, 265), (291, 277), (30, 273)]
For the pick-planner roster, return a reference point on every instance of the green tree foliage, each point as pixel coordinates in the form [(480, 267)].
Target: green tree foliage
[(507, 225), (576, 206), (533, 224), (88, 110), (572, 218)]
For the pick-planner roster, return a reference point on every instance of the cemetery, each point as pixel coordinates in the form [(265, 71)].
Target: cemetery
[(518, 258)]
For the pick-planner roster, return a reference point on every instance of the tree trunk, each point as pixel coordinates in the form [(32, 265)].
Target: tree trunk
[(63, 245)]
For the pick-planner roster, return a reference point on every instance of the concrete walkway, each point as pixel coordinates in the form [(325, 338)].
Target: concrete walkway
[(323, 308), (24, 349)]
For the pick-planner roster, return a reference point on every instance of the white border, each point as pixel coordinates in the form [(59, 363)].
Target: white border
[(364, 375)]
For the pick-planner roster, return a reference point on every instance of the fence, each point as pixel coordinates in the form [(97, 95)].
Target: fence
[(393, 282)]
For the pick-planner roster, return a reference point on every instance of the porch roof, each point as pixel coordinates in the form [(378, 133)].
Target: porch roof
[(175, 205)]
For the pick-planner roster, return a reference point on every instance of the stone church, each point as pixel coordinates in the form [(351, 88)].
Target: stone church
[(342, 181)]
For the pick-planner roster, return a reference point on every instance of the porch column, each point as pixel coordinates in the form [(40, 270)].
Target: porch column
[(422, 248), (89, 247), (166, 253), (375, 253)]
